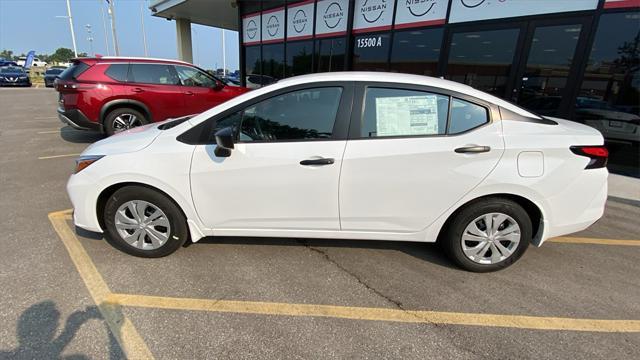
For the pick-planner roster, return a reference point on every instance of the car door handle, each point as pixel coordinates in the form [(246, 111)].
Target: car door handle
[(137, 90), (474, 149), (188, 93), (321, 161)]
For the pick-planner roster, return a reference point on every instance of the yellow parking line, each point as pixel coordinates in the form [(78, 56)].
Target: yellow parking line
[(376, 314), (56, 156), (121, 327), (572, 240)]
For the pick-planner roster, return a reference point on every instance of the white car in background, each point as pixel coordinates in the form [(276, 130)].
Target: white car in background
[(36, 62), (348, 155)]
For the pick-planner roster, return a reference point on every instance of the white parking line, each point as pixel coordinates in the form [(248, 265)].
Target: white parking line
[(56, 156)]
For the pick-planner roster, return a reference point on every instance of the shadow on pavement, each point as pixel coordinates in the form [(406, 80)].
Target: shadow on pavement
[(72, 135), (37, 328)]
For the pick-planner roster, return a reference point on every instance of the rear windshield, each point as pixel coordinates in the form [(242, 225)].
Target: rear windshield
[(53, 71), (73, 71)]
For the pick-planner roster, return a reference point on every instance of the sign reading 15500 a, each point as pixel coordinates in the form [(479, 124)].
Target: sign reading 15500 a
[(369, 42)]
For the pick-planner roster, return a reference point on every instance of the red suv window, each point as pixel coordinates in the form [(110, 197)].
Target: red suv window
[(118, 72)]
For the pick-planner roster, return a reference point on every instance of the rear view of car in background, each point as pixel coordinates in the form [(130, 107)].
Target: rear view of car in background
[(112, 94), (14, 76), (51, 75)]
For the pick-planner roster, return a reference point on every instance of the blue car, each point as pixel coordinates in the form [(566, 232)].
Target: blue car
[(13, 76)]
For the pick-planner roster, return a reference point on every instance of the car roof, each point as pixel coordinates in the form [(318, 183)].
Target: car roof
[(399, 78), (131, 59)]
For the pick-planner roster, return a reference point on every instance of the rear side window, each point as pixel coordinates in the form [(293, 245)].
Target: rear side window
[(466, 116), (118, 72), (398, 112), (153, 74), (73, 71)]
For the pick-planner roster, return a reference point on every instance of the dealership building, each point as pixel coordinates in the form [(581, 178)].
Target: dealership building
[(576, 59)]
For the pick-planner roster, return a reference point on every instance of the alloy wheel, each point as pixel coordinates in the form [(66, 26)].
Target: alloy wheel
[(491, 238), (125, 122)]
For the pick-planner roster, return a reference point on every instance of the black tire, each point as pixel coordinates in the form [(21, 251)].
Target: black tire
[(109, 121), (451, 241), (177, 235)]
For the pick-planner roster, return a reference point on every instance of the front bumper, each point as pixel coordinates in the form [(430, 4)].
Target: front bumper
[(83, 195), (16, 84), (77, 120)]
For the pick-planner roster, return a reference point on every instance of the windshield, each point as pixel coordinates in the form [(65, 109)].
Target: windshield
[(11, 70)]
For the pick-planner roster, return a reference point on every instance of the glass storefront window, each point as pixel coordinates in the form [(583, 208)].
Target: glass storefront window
[(299, 57), (252, 60), (609, 98), (550, 59), (330, 54), (416, 51), (371, 52), (272, 62), (483, 59)]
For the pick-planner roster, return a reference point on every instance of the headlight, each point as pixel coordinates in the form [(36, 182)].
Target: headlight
[(83, 161)]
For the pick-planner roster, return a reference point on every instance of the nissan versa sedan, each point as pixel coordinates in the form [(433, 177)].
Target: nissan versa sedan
[(351, 155)]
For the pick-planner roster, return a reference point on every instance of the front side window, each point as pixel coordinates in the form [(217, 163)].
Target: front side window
[(153, 74), (194, 77), (397, 112), (300, 115), (466, 116)]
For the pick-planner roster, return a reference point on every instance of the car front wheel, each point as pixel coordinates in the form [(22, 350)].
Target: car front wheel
[(488, 235), (144, 222)]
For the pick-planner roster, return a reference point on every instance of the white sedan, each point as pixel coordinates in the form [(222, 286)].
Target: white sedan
[(348, 155)]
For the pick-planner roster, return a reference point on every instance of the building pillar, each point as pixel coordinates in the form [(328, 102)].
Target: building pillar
[(183, 35)]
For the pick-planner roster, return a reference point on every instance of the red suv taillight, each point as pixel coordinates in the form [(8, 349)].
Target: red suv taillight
[(597, 153)]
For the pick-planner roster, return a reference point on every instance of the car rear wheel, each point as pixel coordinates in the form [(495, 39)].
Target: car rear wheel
[(488, 235), (143, 222), (123, 119)]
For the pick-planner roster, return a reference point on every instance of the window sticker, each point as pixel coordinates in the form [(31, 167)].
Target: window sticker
[(407, 115)]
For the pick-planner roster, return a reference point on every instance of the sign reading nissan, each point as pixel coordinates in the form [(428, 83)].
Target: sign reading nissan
[(331, 17), (414, 13), (273, 25), (251, 29), (373, 15), (471, 10), (300, 20)]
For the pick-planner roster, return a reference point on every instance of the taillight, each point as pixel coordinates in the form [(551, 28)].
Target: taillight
[(597, 154)]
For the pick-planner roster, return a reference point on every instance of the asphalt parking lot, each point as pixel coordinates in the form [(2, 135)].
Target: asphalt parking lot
[(68, 293)]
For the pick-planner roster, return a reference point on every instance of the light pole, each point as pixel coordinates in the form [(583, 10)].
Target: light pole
[(104, 28), (224, 57), (73, 34), (89, 38), (144, 33), (112, 14)]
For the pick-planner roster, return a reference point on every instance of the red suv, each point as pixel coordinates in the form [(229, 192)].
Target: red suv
[(112, 94)]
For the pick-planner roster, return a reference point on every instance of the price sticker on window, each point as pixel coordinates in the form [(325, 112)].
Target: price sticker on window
[(407, 115)]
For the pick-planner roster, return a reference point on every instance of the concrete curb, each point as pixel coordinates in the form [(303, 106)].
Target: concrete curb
[(624, 187)]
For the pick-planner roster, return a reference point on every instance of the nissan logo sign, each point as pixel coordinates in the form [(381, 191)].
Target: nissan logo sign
[(273, 25), (419, 8), (333, 15), (252, 29), (372, 10), (299, 21)]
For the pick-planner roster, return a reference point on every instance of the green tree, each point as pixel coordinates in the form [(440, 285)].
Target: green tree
[(62, 55), (6, 54)]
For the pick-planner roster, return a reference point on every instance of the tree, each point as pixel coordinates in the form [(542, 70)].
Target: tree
[(6, 54), (62, 55)]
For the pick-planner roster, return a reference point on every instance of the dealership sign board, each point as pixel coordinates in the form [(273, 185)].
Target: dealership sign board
[(251, 29), (331, 17), (415, 13), (300, 20), (471, 10), (372, 15), (273, 25)]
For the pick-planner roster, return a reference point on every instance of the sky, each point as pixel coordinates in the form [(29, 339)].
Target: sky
[(32, 25)]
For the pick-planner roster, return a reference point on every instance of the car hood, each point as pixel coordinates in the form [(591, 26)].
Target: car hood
[(128, 141)]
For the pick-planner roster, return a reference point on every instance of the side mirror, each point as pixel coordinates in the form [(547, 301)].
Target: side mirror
[(219, 85), (224, 142)]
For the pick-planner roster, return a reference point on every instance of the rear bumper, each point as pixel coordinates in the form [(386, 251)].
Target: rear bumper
[(77, 120)]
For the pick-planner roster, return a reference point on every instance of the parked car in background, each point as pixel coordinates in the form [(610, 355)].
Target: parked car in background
[(4, 62), (14, 76), (349, 155), (112, 94), (51, 74), (36, 62)]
